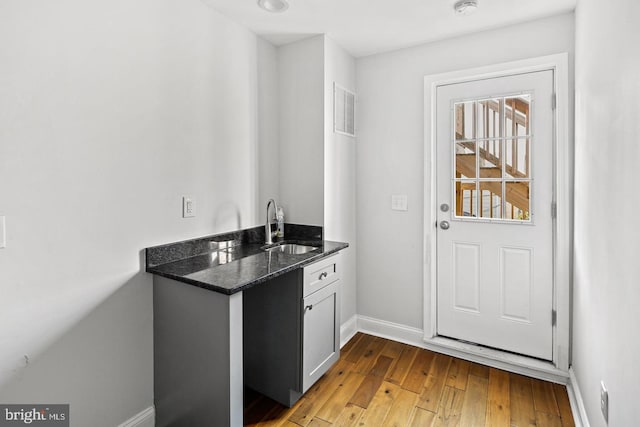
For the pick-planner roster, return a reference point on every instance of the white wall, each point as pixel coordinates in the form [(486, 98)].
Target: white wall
[(340, 172), (301, 110), (390, 158), (607, 234), (109, 113), (317, 181), (268, 127)]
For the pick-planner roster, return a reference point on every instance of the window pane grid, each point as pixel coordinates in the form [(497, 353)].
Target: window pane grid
[(492, 178)]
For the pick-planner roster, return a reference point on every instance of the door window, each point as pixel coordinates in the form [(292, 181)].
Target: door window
[(492, 155)]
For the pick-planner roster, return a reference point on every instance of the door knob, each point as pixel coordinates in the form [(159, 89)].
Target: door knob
[(444, 225)]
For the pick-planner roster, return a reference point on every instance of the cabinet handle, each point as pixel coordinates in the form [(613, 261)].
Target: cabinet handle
[(323, 275), (309, 307)]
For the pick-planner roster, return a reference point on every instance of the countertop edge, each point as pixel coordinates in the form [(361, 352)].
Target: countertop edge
[(244, 286)]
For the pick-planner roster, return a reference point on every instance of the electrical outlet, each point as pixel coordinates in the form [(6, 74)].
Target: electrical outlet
[(188, 207), (604, 401)]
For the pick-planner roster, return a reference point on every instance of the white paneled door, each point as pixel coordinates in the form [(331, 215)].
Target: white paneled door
[(495, 184)]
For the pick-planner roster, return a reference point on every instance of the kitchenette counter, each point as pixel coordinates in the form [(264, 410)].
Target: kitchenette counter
[(200, 288), (233, 262)]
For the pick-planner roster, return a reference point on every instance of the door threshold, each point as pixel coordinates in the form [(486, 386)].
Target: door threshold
[(515, 363)]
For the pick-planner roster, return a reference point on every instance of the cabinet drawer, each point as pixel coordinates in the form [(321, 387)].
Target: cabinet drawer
[(321, 273)]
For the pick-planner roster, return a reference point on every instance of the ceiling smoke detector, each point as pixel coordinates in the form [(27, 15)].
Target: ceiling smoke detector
[(274, 6), (465, 7)]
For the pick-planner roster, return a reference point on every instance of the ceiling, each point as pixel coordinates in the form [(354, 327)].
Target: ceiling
[(365, 27)]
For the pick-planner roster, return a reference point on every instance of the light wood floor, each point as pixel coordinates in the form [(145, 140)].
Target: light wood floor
[(378, 382)]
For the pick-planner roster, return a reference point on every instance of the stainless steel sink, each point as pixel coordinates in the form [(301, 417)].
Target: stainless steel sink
[(292, 249)]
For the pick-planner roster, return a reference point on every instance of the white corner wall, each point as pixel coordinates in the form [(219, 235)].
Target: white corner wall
[(317, 179), (340, 173), (607, 234), (301, 131), (109, 113), (390, 159), (268, 110)]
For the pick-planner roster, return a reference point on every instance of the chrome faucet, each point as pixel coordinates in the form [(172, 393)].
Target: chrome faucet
[(267, 226)]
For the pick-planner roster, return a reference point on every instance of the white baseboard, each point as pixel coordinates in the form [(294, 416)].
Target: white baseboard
[(348, 329), (390, 330), (577, 404), (145, 418)]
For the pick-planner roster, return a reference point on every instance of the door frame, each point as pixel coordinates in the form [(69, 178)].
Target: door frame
[(562, 228)]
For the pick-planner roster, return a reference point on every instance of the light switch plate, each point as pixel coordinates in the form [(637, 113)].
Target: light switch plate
[(399, 202), (3, 232), (188, 207)]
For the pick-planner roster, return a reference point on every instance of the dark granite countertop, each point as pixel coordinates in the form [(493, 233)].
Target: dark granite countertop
[(233, 262)]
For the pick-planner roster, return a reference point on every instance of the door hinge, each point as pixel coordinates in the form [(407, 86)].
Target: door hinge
[(554, 210), (554, 317), (554, 101)]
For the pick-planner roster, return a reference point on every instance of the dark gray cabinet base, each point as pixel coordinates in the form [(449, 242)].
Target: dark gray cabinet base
[(292, 330), (277, 338), (273, 338)]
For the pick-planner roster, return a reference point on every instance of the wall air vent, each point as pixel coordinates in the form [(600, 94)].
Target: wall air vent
[(344, 111)]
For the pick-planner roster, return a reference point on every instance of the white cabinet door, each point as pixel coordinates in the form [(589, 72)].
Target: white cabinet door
[(321, 333)]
